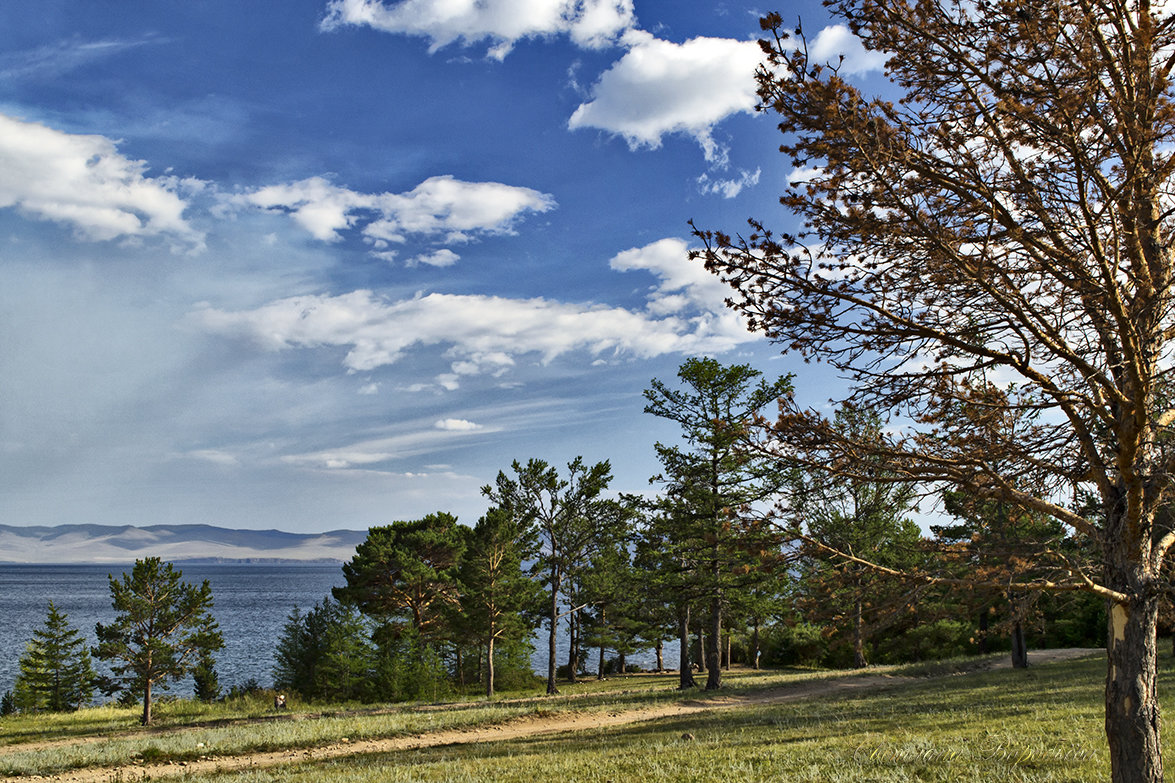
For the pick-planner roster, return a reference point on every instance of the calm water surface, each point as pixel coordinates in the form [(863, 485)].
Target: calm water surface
[(252, 604)]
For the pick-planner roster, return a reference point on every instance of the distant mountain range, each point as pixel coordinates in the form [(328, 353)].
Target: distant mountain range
[(175, 543)]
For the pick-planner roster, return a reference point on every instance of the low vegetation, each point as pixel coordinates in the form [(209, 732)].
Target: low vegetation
[(909, 723)]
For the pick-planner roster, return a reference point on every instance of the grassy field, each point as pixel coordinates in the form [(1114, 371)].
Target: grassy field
[(1043, 724)]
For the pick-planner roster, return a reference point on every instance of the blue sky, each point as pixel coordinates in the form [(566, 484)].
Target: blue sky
[(315, 265)]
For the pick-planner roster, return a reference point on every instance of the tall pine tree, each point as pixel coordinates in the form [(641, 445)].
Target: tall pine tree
[(712, 480)]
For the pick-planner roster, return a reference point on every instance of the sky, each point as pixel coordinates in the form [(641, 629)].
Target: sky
[(322, 264)]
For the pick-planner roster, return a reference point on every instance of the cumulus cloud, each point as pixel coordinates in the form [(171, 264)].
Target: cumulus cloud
[(83, 182), (442, 258), (659, 87), (439, 208), (486, 334), (501, 23), (836, 42), (685, 286)]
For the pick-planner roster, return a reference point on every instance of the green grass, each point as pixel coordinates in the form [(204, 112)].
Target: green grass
[(185, 730), (1044, 724), (1040, 725)]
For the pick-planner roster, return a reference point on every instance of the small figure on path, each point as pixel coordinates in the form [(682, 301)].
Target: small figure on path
[(279, 701)]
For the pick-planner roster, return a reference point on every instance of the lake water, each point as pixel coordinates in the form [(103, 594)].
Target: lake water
[(252, 604)]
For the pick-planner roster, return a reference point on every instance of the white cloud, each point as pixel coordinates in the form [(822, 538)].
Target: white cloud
[(457, 425), (442, 258), (685, 285), (61, 57), (438, 207), (314, 204), (659, 87), (83, 182), (729, 188), (501, 23), (338, 460), (837, 41), (485, 334)]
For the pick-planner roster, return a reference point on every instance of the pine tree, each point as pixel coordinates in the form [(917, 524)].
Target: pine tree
[(495, 592), (55, 671), (863, 515), (711, 480), (406, 573), (326, 653), (205, 681), (567, 516), (162, 628)]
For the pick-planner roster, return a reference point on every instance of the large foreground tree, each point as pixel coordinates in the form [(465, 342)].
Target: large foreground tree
[(162, 629), (990, 256)]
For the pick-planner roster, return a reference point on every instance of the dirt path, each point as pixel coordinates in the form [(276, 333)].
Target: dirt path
[(525, 726)]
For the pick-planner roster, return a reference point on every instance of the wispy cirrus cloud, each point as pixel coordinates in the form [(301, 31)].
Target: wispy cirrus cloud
[(729, 188), (53, 60), (501, 23), (82, 181)]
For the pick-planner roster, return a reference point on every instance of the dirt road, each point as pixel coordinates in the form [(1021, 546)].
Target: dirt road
[(526, 726)]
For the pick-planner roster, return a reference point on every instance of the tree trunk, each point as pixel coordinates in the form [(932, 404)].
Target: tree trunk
[(147, 704), (700, 651), (859, 660), (621, 664), (755, 646), (685, 678), (1019, 645), (552, 627), (573, 646), (1132, 704), (983, 632), (713, 650), (729, 647), (659, 648), (600, 665), (490, 668)]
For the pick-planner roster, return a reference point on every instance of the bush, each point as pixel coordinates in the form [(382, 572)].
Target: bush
[(247, 689), (408, 668), (802, 644), (928, 642), (512, 665)]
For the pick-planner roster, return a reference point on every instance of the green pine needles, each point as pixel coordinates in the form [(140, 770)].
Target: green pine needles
[(162, 631), (55, 671)]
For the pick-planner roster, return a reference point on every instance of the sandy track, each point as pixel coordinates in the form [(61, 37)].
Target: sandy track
[(525, 726)]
